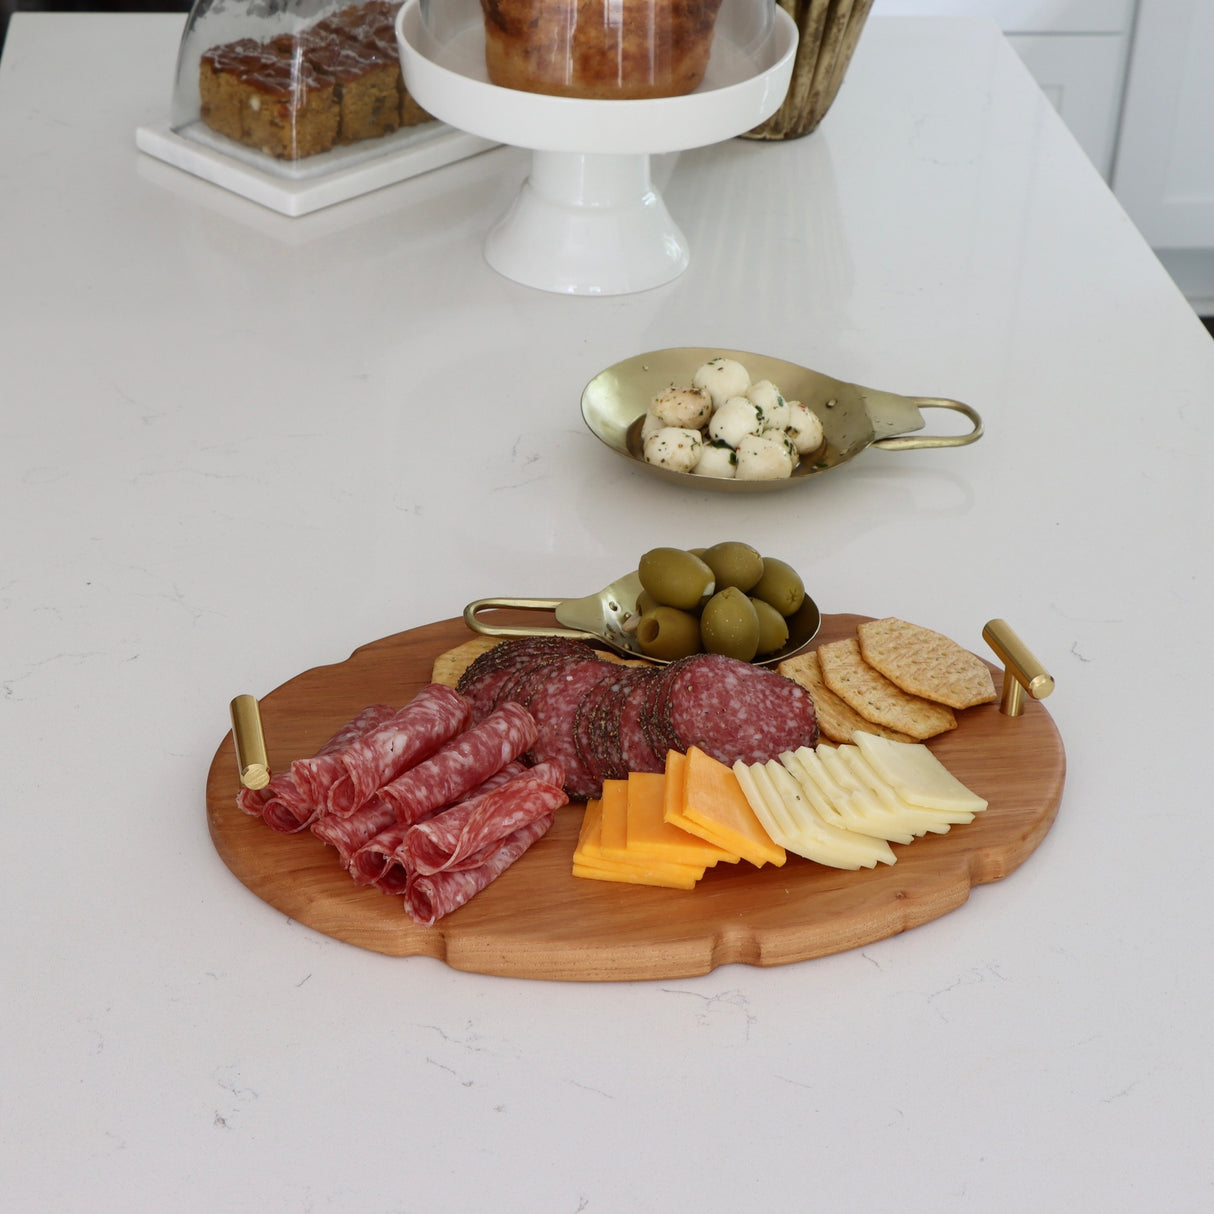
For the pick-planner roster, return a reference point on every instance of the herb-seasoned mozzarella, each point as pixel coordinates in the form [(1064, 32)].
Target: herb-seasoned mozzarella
[(804, 427), (718, 462), (687, 407), (721, 378), (767, 396), (764, 457), (734, 420), (675, 447)]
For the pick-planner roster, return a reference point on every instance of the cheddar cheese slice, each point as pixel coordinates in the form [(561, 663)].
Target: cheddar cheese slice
[(590, 861), (650, 836), (715, 807)]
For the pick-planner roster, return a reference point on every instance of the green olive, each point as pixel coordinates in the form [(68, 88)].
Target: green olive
[(674, 577), (780, 585), (668, 633), (773, 627), (730, 625), (645, 602), (734, 564)]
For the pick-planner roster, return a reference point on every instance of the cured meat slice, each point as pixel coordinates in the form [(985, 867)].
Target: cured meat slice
[(458, 767), (486, 675), (733, 710), (554, 704), (434, 716), (281, 804), (377, 861), (636, 749), (428, 897), (463, 837), (349, 834)]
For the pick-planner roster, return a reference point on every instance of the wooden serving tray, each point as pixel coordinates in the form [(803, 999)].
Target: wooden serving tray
[(539, 921)]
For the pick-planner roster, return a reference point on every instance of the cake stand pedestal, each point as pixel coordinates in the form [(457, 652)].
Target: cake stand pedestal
[(590, 222)]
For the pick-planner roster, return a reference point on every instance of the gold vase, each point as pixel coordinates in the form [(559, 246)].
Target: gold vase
[(828, 31)]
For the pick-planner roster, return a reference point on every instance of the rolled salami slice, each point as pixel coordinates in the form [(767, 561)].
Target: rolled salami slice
[(281, 804), (347, 835), (459, 766), (380, 861), (459, 837), (428, 897), (434, 716), (733, 710)]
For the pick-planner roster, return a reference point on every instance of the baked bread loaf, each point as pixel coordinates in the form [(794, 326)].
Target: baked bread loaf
[(629, 50), (335, 83)]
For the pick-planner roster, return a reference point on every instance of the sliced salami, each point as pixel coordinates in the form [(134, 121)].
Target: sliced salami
[(281, 804), (459, 766), (483, 680), (733, 710), (554, 704), (380, 861), (428, 897), (459, 837), (348, 834), (434, 716)]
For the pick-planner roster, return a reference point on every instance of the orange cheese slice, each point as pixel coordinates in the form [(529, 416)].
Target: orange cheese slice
[(651, 837), (715, 806), (589, 859)]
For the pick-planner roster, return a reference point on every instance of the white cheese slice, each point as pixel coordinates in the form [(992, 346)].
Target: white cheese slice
[(816, 839), (915, 817), (917, 774)]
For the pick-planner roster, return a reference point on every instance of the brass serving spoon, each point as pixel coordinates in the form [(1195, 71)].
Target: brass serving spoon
[(610, 617), (853, 418)]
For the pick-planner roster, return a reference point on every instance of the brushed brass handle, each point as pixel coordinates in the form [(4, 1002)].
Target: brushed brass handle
[(1021, 670), (251, 758), (472, 619), (917, 442)]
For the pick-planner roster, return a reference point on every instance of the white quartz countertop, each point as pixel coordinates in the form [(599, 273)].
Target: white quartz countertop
[(236, 446)]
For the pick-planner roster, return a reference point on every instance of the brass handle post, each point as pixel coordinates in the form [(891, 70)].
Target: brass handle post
[(1021, 670), (251, 758)]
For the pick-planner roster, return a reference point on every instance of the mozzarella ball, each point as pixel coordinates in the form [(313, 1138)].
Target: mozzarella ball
[(650, 426), (767, 396), (718, 462), (686, 407), (674, 447), (721, 378), (804, 428), (734, 420), (763, 458)]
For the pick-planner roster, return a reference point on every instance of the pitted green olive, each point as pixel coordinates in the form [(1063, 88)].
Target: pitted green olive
[(668, 633), (773, 627), (730, 625), (734, 564), (674, 577), (780, 585)]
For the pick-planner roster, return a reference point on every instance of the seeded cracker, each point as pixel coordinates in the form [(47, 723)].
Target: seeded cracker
[(875, 698), (925, 663), (836, 719)]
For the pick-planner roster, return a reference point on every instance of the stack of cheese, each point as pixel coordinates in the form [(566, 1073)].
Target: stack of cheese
[(843, 805), (668, 828)]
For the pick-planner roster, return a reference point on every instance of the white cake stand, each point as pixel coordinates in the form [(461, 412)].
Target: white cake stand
[(588, 220)]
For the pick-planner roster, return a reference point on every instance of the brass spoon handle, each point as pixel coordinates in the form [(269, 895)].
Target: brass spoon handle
[(250, 742), (1021, 670), (471, 614), (917, 442)]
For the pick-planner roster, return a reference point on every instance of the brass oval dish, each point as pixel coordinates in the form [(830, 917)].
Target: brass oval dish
[(853, 418), (610, 616)]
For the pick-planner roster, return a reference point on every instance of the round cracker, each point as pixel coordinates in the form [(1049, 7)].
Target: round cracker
[(925, 663)]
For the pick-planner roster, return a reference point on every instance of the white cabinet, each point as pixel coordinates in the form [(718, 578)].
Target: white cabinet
[(1164, 174), (1076, 50)]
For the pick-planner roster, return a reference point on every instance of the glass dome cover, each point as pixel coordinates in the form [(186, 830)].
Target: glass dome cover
[(292, 79)]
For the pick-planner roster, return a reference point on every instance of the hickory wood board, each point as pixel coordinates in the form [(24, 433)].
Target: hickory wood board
[(539, 921)]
